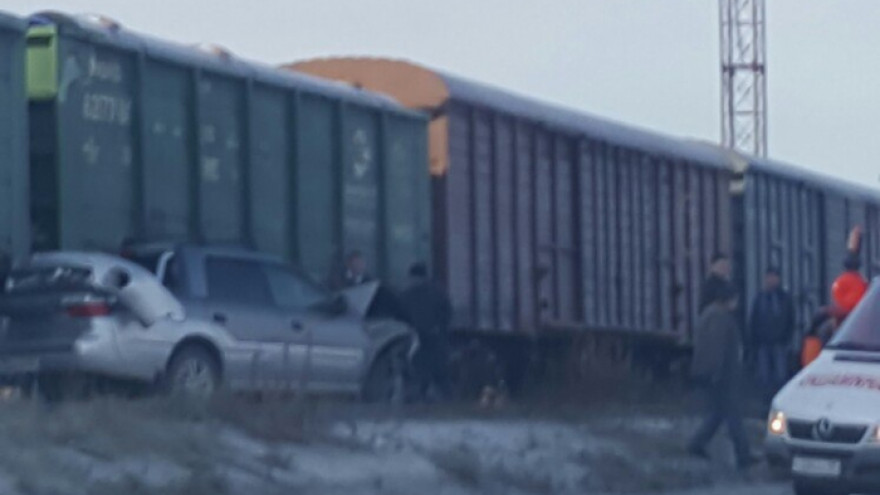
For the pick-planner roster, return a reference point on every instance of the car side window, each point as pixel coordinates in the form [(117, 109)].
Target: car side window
[(169, 269), (290, 290), (236, 280)]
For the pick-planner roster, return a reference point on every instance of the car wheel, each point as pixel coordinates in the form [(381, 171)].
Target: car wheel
[(808, 487), (386, 382), (193, 373)]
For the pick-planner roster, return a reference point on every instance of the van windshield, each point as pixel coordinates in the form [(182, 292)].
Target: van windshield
[(861, 329)]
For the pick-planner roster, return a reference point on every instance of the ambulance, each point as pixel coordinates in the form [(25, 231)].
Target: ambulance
[(824, 426)]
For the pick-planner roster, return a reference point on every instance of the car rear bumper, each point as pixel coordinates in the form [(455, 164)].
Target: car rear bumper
[(95, 353), (860, 464)]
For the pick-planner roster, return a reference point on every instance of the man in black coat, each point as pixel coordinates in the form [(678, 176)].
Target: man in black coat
[(429, 311), (771, 332)]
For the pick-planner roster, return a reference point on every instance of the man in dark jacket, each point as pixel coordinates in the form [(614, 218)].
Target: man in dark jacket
[(430, 313), (717, 282), (717, 369), (771, 330)]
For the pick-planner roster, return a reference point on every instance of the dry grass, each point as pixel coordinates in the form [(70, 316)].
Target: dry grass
[(86, 447), (110, 446)]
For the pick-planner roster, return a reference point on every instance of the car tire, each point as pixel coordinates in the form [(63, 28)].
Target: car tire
[(386, 381), (193, 373), (809, 487)]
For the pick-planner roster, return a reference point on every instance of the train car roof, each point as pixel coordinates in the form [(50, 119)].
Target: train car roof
[(418, 86), (479, 94), (745, 164), (422, 87), (11, 22), (816, 179), (114, 35)]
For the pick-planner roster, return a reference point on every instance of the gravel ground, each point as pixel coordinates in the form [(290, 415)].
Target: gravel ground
[(235, 446)]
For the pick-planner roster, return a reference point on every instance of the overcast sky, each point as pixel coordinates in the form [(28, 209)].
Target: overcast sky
[(653, 63)]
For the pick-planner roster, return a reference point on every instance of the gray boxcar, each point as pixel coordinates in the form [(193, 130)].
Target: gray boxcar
[(142, 138), (549, 218), (798, 221), (14, 226)]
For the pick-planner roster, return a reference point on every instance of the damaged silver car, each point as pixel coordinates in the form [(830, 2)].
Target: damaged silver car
[(191, 319)]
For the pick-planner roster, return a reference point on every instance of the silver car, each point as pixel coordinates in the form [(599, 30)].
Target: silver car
[(191, 319)]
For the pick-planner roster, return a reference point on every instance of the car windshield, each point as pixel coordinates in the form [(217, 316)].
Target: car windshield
[(294, 289), (861, 329)]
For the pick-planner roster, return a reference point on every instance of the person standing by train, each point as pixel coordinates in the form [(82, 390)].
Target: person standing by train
[(770, 333), (717, 282), (846, 291), (353, 273), (717, 370), (822, 327), (430, 314)]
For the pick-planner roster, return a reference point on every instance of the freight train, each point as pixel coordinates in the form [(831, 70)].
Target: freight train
[(545, 224), (548, 218)]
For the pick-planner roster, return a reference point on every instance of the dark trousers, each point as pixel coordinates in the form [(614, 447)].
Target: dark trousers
[(723, 406), (432, 365), (772, 367)]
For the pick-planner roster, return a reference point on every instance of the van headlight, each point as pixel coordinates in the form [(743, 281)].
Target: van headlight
[(777, 423), (875, 435)]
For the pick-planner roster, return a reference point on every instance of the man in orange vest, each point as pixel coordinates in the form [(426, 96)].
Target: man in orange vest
[(822, 328), (846, 291)]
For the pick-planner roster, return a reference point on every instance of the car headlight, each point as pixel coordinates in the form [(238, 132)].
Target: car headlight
[(777, 424)]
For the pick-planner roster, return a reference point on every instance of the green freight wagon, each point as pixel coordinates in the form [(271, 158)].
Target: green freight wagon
[(14, 222), (140, 138)]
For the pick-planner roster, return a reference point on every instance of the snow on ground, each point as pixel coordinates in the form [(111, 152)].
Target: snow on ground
[(740, 489), (150, 447)]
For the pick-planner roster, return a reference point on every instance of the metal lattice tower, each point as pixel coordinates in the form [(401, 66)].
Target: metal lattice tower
[(743, 76)]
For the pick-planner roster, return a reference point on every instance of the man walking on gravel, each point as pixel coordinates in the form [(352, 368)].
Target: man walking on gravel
[(717, 370)]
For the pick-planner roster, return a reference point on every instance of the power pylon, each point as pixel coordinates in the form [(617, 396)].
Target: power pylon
[(743, 76)]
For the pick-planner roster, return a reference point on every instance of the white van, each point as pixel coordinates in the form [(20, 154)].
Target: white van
[(824, 426)]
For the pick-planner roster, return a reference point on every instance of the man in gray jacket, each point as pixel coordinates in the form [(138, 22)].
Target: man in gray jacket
[(717, 369)]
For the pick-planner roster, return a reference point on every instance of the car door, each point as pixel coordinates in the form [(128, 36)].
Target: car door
[(239, 299), (336, 344)]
